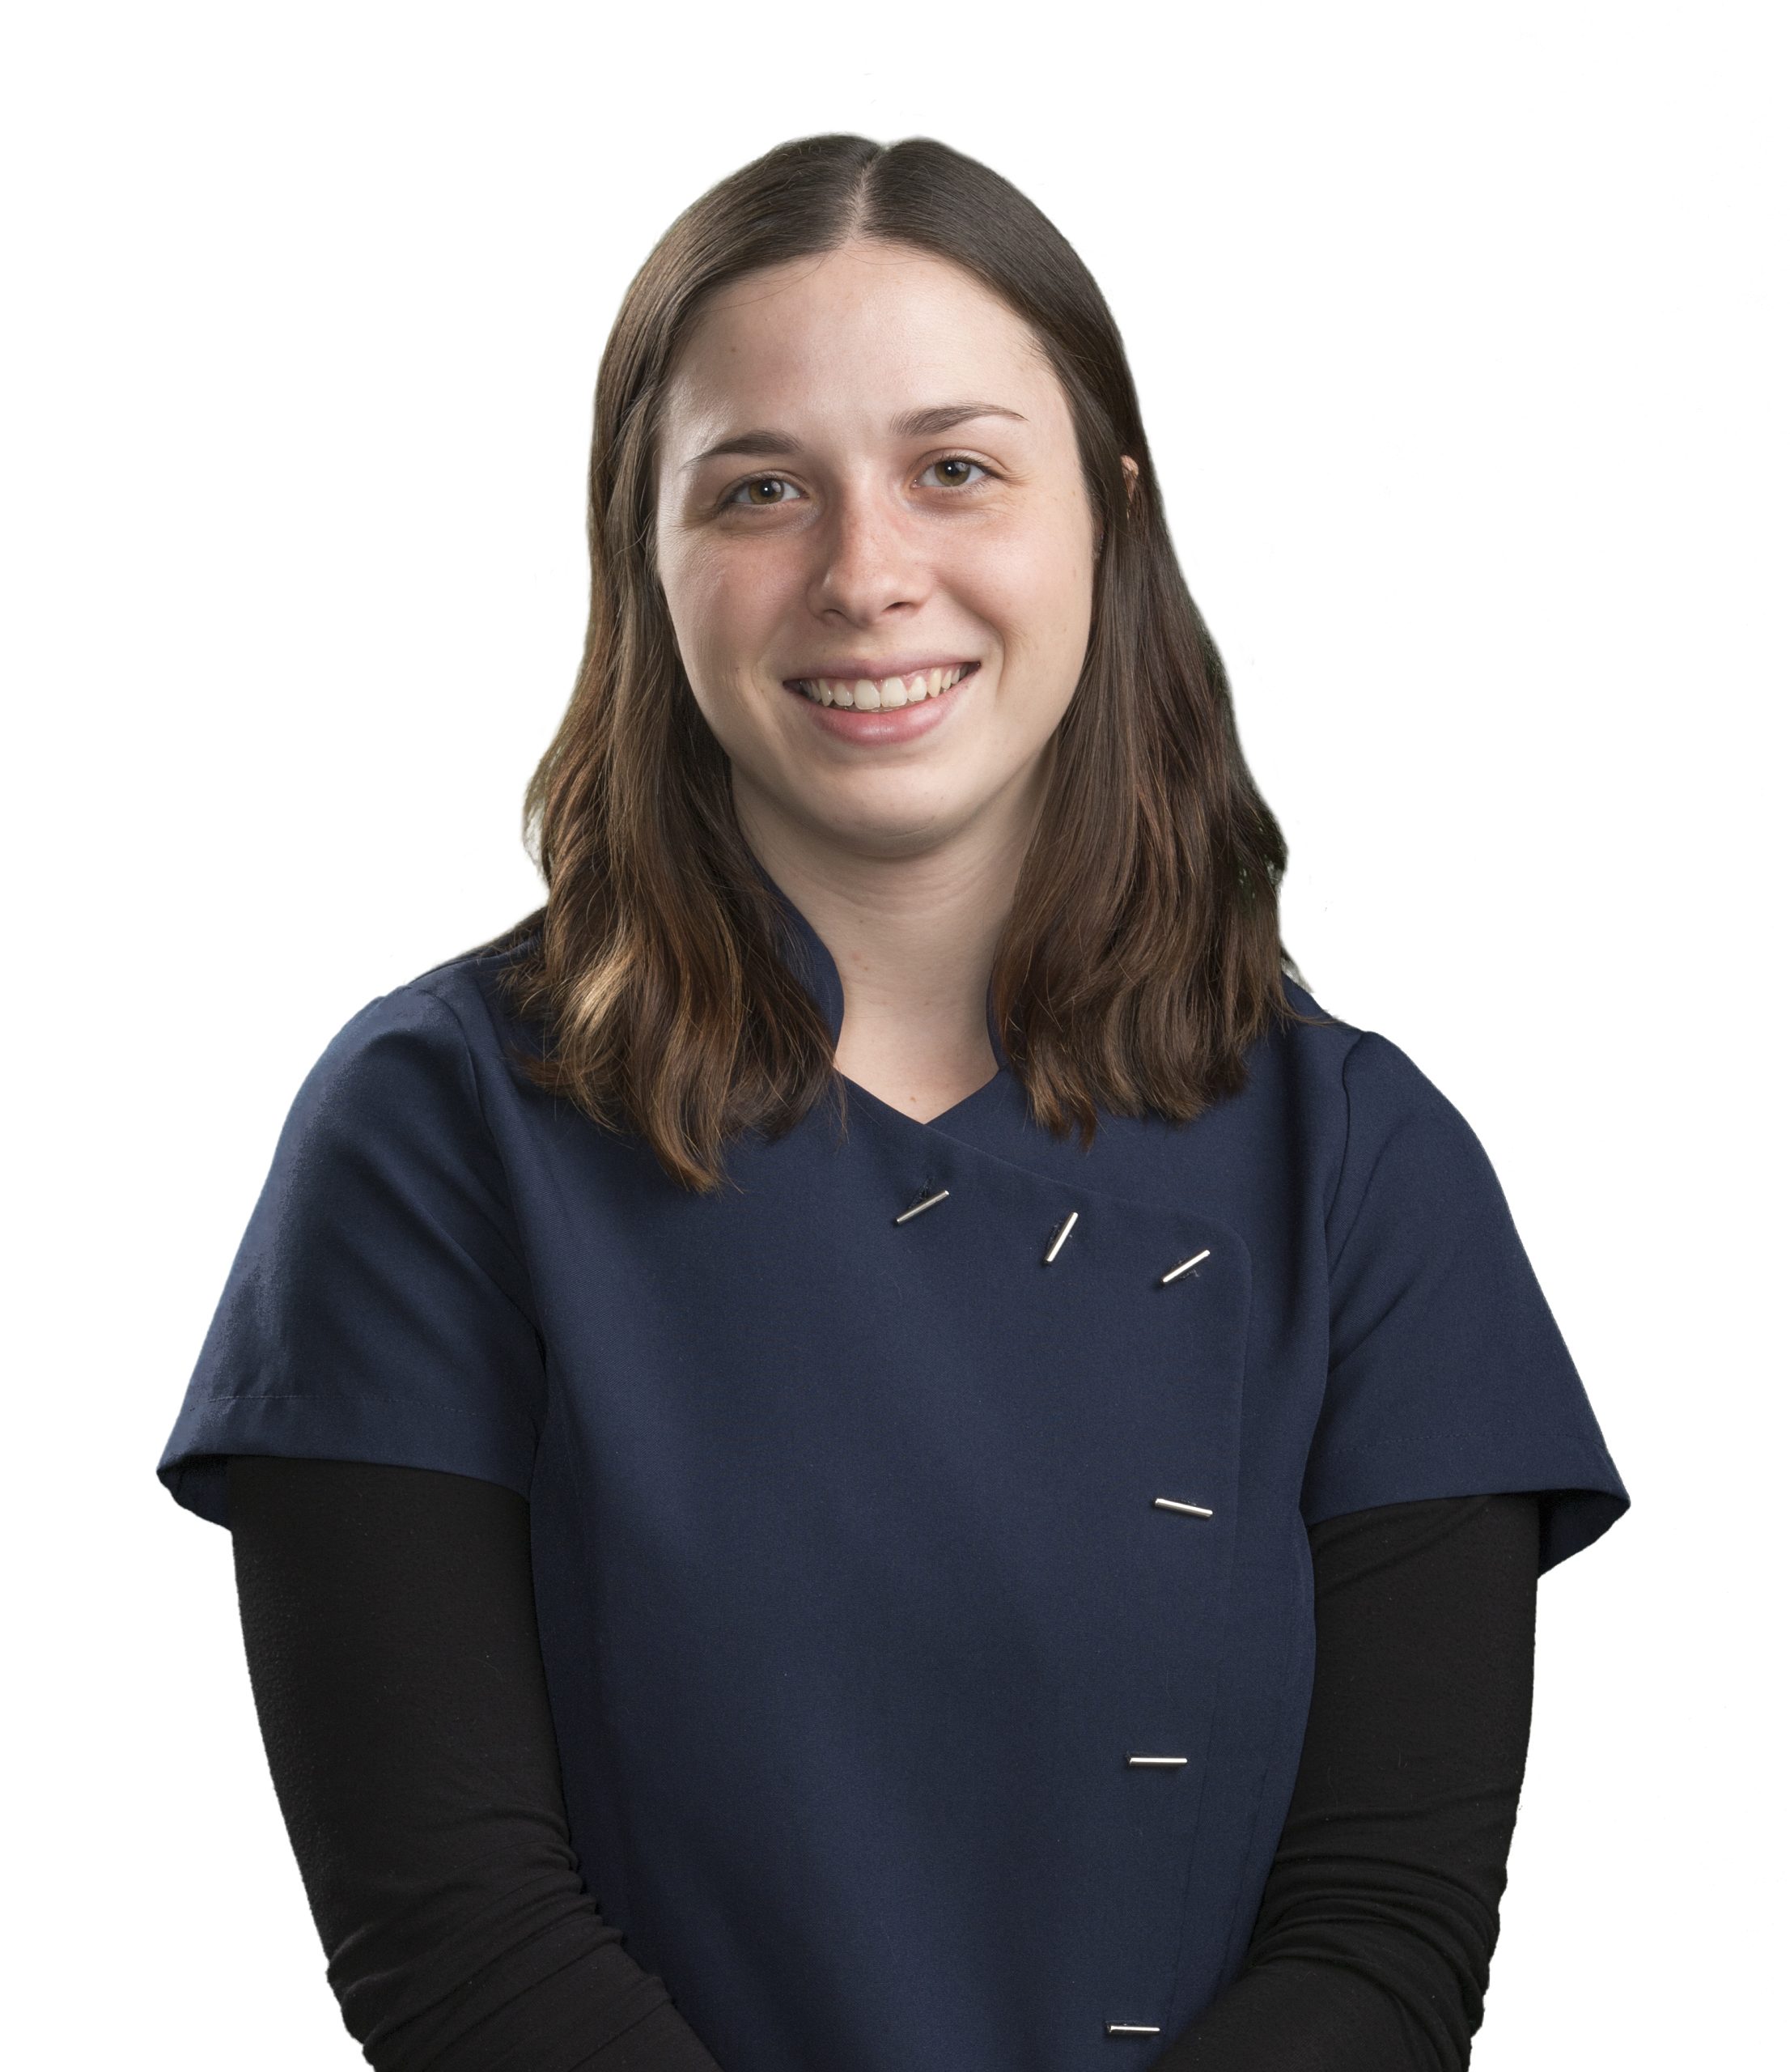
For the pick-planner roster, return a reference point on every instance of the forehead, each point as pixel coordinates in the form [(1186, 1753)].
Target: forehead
[(859, 334)]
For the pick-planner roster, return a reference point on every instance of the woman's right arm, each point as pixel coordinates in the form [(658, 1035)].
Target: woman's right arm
[(388, 1618)]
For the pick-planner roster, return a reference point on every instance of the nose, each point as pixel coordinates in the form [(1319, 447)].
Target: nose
[(869, 559)]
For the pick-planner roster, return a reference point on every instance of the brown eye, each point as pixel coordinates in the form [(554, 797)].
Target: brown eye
[(750, 492), (959, 462)]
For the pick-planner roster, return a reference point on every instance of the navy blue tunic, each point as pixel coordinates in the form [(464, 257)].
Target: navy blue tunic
[(925, 1599)]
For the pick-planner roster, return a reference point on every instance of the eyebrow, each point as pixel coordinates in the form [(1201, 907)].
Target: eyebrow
[(912, 424)]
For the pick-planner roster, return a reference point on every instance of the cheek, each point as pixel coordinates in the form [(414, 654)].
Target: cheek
[(722, 605), (1037, 589)]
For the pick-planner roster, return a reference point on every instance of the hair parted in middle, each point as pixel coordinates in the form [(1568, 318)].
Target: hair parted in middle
[(1142, 957)]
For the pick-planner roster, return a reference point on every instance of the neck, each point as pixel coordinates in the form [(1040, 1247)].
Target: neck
[(913, 935)]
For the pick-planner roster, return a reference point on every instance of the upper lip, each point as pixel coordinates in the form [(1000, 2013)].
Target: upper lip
[(852, 669)]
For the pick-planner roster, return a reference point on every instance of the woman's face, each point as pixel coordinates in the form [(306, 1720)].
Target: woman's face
[(868, 486)]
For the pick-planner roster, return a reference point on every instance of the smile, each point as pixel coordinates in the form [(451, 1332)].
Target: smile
[(865, 694)]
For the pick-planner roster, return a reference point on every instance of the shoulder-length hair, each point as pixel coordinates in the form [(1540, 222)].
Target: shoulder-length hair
[(1142, 956)]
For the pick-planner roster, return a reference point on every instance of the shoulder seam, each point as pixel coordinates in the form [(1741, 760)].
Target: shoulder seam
[(1348, 1126), (452, 1013)]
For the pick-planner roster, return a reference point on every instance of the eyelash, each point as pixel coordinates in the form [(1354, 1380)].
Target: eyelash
[(943, 461)]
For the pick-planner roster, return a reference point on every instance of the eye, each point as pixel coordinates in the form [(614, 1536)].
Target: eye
[(748, 492), (956, 460)]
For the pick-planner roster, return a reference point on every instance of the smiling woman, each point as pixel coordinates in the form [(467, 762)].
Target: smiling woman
[(881, 577), (864, 414), (870, 1442)]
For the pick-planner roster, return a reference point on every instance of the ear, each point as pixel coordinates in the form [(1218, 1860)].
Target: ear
[(1130, 468)]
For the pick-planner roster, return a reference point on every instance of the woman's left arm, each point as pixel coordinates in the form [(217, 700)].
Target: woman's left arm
[(1373, 1944)]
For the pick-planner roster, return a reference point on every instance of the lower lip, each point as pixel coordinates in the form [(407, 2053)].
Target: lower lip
[(906, 723)]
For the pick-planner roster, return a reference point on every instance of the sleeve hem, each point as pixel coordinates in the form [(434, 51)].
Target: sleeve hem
[(1573, 1515), (192, 1470)]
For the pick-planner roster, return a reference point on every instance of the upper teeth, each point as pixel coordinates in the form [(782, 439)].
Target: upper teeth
[(864, 695)]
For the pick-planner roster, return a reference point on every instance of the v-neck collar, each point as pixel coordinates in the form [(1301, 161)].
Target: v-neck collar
[(812, 962)]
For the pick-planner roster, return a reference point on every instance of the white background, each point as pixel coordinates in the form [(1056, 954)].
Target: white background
[(1461, 337)]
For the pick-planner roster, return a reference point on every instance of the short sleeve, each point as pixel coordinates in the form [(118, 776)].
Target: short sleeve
[(1447, 1374), (377, 1309)]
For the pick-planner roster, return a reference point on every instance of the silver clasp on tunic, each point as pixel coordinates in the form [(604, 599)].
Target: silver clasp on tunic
[(1061, 1232), (1169, 1503), (1175, 1272)]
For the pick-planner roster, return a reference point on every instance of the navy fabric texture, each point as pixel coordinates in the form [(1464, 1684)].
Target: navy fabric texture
[(844, 1534)]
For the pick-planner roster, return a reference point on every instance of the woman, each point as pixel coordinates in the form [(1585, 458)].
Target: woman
[(869, 1442)]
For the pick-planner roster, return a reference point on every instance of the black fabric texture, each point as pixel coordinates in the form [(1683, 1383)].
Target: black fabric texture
[(388, 1620)]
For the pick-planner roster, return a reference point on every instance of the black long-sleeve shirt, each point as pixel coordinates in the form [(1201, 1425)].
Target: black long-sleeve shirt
[(388, 1618)]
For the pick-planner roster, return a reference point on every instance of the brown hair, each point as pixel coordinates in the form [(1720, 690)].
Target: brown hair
[(1142, 956)]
